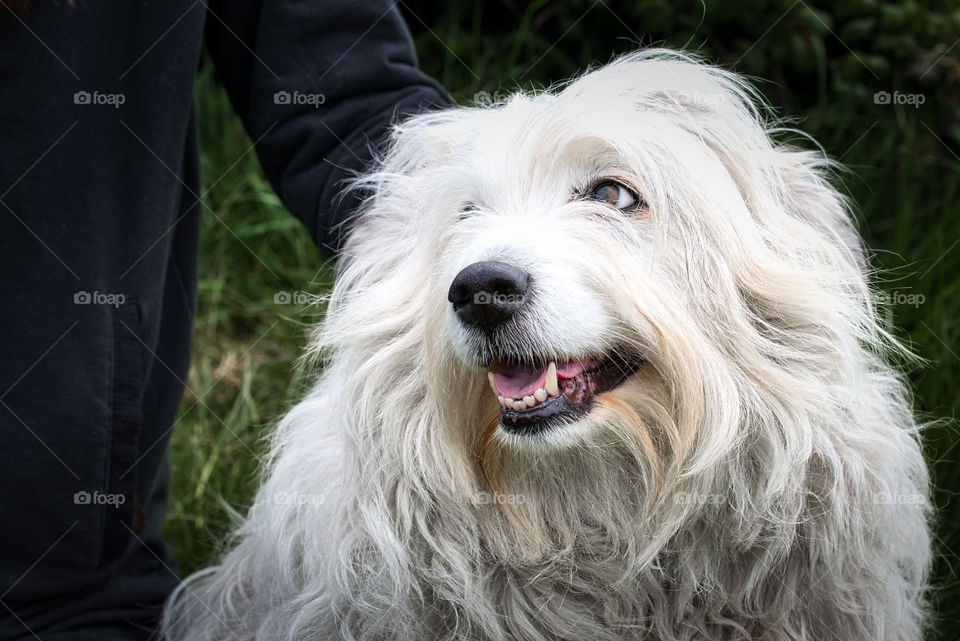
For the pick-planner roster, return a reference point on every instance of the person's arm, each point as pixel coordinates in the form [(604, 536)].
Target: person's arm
[(316, 84)]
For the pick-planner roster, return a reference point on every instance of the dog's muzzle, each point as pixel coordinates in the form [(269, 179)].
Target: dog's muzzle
[(539, 392)]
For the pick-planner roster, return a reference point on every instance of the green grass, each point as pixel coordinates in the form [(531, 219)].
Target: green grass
[(905, 180), (242, 376)]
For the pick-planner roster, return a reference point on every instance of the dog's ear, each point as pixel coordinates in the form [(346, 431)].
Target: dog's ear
[(423, 141), (725, 112), (804, 182), (413, 146)]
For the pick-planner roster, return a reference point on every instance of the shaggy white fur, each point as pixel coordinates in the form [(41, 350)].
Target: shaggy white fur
[(758, 476)]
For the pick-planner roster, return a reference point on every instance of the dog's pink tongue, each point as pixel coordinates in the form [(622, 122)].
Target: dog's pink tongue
[(523, 380), (519, 381)]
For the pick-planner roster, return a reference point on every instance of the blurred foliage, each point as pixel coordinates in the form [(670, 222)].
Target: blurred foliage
[(816, 58), (254, 258)]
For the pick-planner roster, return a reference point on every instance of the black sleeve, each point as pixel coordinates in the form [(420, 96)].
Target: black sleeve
[(317, 83)]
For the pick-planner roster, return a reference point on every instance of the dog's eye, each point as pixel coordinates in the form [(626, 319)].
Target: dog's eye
[(612, 193), (467, 210)]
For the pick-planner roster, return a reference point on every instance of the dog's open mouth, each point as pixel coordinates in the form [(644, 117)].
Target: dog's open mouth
[(534, 396)]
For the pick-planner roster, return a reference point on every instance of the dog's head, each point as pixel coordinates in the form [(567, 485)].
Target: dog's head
[(629, 261)]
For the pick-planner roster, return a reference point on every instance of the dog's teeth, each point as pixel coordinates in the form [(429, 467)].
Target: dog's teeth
[(529, 401), (551, 385), (519, 405), (540, 395), (502, 401), (492, 386)]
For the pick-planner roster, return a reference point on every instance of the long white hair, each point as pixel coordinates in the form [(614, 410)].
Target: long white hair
[(759, 477)]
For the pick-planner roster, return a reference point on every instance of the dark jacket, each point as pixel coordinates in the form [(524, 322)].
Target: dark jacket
[(99, 207)]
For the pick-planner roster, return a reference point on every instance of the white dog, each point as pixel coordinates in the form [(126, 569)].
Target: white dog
[(694, 430)]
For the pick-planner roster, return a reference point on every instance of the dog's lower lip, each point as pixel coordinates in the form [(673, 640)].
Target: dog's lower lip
[(539, 418)]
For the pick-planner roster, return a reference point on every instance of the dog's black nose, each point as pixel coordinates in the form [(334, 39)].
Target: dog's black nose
[(488, 293)]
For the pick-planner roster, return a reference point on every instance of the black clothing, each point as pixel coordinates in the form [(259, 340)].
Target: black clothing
[(99, 211)]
